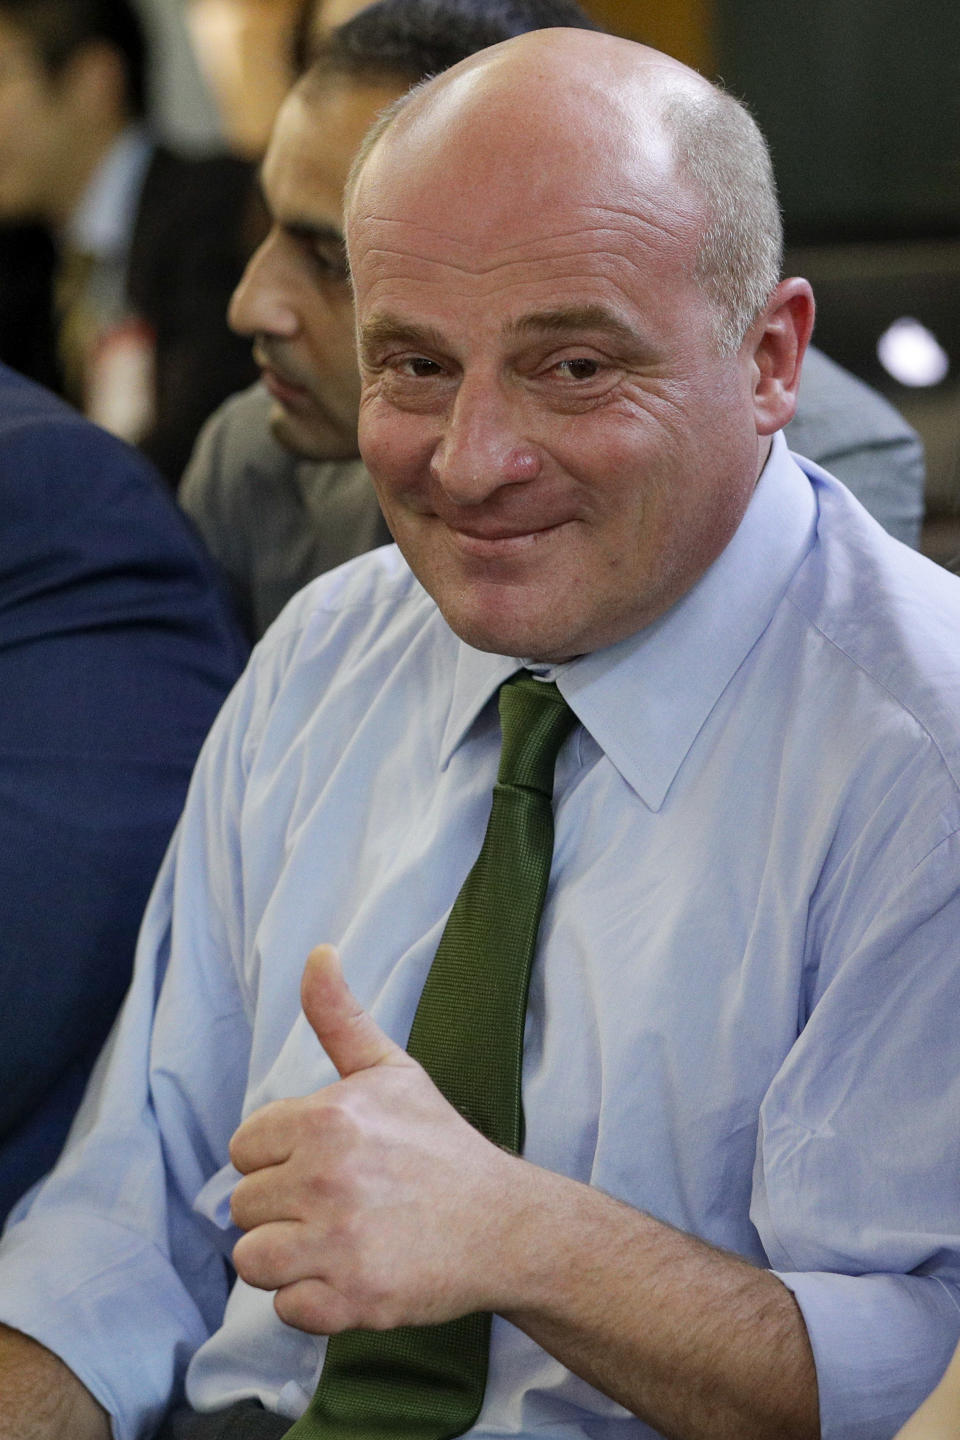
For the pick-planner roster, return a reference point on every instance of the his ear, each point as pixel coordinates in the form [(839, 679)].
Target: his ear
[(779, 337)]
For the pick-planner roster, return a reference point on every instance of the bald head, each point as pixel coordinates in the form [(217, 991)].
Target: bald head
[(532, 119)]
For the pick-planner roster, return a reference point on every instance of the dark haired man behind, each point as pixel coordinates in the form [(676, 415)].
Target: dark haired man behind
[(275, 484), (148, 243)]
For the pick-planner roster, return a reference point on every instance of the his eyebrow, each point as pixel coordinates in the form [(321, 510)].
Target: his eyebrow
[(391, 330), (559, 320), (312, 230), (564, 319)]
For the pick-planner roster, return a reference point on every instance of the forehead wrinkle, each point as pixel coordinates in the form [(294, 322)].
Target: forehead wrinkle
[(606, 275), (641, 231), (658, 219)]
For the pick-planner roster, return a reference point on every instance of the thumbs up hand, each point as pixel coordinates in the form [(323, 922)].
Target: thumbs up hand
[(351, 1037), (370, 1203)]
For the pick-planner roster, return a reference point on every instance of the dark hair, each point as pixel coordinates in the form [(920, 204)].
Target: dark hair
[(417, 38), (59, 28)]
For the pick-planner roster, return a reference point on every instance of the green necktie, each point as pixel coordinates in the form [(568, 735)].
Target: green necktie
[(427, 1382)]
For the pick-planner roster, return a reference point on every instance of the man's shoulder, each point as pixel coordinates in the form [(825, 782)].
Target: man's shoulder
[(45, 442), (62, 476), (23, 403), (887, 610), (240, 475), (836, 407), (236, 454), (376, 590), (339, 642), (243, 416)]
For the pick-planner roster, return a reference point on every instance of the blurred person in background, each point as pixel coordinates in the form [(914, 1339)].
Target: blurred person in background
[(147, 244), (116, 650), (275, 484)]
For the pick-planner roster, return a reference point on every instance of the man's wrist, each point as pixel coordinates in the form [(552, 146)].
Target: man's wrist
[(41, 1398)]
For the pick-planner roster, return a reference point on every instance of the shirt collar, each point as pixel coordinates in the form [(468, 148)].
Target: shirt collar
[(645, 699), (102, 223)]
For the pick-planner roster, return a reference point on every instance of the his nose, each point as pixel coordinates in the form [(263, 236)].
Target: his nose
[(482, 446), (261, 304)]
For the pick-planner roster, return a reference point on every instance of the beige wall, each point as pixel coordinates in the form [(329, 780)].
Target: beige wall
[(242, 49), (679, 27), (241, 46)]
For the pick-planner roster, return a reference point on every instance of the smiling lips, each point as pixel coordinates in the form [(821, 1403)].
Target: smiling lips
[(502, 542)]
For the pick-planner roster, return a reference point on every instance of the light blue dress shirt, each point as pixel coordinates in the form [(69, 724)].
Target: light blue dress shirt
[(743, 1012)]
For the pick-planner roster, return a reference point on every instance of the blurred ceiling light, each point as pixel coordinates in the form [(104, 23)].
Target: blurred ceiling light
[(912, 354)]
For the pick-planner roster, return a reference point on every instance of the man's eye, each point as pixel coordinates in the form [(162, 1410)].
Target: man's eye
[(332, 264), (419, 367), (579, 369)]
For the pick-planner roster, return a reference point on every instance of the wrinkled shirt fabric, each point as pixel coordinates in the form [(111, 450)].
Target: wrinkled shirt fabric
[(742, 1013)]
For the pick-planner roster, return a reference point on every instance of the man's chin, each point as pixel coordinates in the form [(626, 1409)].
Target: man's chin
[(526, 638), (310, 440)]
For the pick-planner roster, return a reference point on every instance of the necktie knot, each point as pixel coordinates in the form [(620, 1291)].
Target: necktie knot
[(534, 720)]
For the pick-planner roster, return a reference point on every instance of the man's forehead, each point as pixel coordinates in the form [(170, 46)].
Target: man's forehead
[(563, 94), (584, 250), (473, 202), (319, 128)]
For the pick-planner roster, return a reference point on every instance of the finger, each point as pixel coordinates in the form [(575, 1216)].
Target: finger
[(265, 1196), (267, 1137), (272, 1255), (314, 1307), (351, 1037)]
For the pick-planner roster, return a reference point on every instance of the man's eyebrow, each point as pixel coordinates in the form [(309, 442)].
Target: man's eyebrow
[(302, 228), (563, 319), (391, 330)]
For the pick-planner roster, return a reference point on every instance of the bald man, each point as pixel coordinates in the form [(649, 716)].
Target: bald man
[(734, 1214)]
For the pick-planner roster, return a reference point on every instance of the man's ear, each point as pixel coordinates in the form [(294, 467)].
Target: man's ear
[(779, 338)]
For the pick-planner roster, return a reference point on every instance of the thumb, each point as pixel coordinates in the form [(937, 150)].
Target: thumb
[(352, 1039)]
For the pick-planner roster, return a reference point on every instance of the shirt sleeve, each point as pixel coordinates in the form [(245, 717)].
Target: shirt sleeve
[(108, 1264), (857, 1182)]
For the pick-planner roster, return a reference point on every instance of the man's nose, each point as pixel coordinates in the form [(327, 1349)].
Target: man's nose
[(261, 303), (483, 445)]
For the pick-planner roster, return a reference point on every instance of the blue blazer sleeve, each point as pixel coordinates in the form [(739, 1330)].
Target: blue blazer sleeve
[(116, 651)]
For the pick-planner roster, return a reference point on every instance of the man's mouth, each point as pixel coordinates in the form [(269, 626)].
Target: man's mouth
[(283, 389), (492, 542)]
